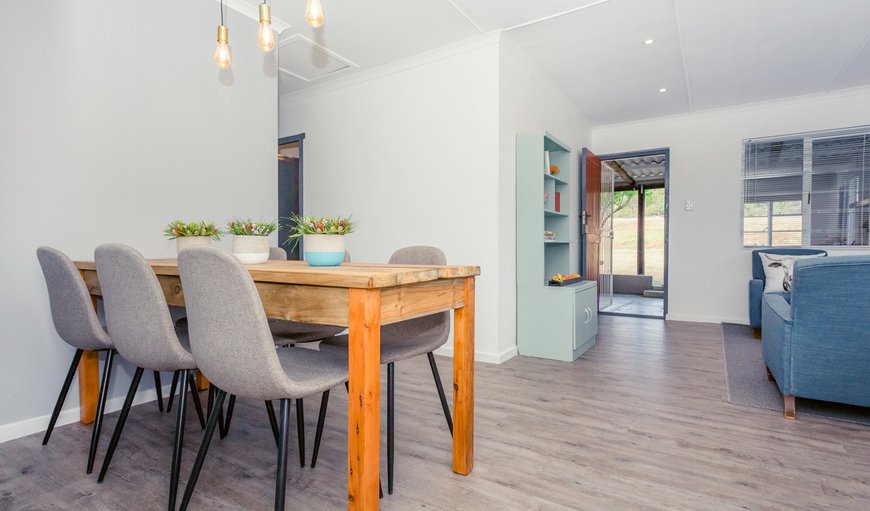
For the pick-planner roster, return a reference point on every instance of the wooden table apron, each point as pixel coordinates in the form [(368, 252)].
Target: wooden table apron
[(361, 297)]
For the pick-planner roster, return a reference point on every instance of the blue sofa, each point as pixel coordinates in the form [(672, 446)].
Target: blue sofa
[(818, 346), (756, 285)]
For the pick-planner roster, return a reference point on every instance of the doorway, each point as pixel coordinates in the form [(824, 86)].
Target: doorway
[(289, 189), (633, 226)]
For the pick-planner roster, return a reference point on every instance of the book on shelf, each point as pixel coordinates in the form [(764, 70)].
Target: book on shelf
[(547, 162)]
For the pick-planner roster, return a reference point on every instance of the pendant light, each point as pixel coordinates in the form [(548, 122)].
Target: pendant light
[(265, 36), (314, 13), (222, 52)]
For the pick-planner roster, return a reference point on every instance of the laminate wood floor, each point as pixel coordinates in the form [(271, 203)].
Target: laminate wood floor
[(638, 423)]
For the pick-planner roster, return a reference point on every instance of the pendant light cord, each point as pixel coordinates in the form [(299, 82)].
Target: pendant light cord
[(222, 12)]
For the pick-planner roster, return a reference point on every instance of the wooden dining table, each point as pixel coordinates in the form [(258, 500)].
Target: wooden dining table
[(361, 297)]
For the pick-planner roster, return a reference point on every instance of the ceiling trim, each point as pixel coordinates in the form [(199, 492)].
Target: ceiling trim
[(398, 66), (249, 11), (848, 64), (743, 107), (683, 58), (557, 15), (467, 17)]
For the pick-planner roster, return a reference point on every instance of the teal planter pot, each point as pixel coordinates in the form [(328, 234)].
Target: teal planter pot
[(323, 249)]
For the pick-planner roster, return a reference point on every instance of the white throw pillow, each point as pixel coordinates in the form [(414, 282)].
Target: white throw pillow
[(779, 270)]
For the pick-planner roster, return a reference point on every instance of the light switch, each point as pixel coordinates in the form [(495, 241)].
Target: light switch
[(690, 205)]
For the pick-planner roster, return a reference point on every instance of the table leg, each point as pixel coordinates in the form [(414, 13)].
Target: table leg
[(89, 382), (463, 383), (202, 382), (363, 417), (89, 386)]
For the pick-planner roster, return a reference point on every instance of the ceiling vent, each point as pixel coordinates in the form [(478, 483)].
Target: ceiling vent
[(307, 60)]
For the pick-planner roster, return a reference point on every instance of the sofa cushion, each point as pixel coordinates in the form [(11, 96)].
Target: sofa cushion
[(779, 271)]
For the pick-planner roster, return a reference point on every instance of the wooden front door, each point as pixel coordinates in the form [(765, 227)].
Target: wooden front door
[(591, 228)]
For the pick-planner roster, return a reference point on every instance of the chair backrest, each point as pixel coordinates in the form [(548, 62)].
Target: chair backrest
[(72, 309), (439, 322), (229, 332), (758, 267), (830, 339), (136, 311)]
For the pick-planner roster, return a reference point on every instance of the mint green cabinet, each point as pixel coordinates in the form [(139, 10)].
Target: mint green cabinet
[(552, 322)]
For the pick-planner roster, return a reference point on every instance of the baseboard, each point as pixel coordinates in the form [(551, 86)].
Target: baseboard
[(39, 424), (481, 356), (706, 319)]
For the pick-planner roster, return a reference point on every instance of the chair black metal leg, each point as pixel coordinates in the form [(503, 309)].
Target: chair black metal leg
[(63, 392), (300, 431), (196, 401), (119, 427), (391, 423), (178, 446), (270, 409), (210, 400), (172, 389), (281, 472), (203, 449), (441, 395), (159, 388), (225, 427), (101, 407), (321, 418)]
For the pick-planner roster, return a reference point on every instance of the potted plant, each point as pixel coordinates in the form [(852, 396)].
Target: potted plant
[(251, 241), (322, 238), (193, 234)]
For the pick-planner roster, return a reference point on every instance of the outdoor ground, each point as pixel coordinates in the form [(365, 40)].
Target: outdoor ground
[(625, 247)]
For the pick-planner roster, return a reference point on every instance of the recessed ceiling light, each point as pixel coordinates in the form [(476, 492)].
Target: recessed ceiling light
[(663, 89), (649, 41)]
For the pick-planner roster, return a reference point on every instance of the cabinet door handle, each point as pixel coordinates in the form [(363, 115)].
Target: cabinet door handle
[(588, 315)]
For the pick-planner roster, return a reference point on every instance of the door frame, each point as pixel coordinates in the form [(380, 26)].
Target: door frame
[(300, 138), (637, 154)]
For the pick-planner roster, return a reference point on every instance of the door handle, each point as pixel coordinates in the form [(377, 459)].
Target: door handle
[(588, 312)]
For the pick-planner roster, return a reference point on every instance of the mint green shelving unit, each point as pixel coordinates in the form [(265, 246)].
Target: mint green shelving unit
[(558, 323)]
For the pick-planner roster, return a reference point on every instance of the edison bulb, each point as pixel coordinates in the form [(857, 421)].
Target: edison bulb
[(314, 13), (222, 55), (222, 52), (265, 37)]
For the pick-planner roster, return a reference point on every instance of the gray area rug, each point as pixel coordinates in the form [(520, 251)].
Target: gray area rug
[(748, 385)]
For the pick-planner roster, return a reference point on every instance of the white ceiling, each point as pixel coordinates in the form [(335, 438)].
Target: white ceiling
[(707, 54)]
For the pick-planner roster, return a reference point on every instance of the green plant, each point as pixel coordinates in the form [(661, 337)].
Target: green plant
[(248, 227), (301, 225), (179, 229)]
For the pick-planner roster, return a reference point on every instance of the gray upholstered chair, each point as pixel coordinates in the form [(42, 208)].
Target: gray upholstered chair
[(76, 322), (233, 347), (401, 341), (142, 329)]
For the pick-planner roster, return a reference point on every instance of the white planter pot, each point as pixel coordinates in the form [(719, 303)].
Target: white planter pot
[(251, 249), (191, 241), (323, 249)]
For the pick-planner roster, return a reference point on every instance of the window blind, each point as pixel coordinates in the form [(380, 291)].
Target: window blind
[(810, 189)]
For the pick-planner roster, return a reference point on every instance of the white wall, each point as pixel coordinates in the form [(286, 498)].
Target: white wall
[(528, 102), (411, 151), (708, 267), (115, 120), (423, 152)]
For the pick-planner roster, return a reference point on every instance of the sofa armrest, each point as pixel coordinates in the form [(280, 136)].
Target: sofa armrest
[(756, 293), (780, 306)]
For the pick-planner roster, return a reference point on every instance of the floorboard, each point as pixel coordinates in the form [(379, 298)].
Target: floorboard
[(640, 422)]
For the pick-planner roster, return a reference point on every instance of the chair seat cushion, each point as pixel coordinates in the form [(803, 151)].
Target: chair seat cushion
[(291, 332), (394, 347), (310, 371)]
